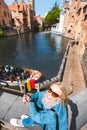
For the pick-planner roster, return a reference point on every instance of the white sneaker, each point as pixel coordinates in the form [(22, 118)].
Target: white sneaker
[(24, 116), (16, 122)]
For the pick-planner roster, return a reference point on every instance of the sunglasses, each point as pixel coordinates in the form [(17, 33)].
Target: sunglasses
[(55, 95)]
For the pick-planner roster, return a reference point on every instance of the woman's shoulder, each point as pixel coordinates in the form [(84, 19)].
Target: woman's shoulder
[(59, 106), (42, 92)]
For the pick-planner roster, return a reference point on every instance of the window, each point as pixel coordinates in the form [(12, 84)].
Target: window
[(0, 2), (8, 14), (5, 14), (79, 11), (3, 21), (85, 17), (85, 9), (69, 31)]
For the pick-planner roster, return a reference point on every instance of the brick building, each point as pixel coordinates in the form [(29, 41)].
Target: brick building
[(22, 15), (5, 17), (30, 11), (38, 21), (75, 22)]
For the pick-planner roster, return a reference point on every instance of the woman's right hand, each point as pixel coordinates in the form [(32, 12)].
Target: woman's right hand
[(26, 98)]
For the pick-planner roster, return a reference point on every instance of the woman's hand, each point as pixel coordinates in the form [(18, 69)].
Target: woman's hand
[(26, 98)]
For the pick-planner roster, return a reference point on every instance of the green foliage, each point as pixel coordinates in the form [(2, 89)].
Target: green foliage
[(1, 32), (39, 28), (52, 15)]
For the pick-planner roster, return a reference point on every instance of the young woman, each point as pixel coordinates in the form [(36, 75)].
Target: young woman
[(47, 109)]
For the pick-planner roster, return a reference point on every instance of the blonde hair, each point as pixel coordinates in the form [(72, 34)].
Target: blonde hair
[(64, 96)]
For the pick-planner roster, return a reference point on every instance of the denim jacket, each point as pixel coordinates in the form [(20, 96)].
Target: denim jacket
[(46, 116)]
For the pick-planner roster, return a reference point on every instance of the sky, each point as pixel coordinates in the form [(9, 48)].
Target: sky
[(41, 6)]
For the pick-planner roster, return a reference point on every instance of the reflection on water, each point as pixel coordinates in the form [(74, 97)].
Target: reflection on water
[(41, 51)]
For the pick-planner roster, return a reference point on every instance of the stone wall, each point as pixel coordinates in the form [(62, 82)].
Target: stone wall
[(84, 64), (10, 32), (77, 109)]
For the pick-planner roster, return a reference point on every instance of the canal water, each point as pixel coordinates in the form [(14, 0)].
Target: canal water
[(40, 51)]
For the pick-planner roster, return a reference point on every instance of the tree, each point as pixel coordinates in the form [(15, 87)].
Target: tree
[(51, 17), (1, 32)]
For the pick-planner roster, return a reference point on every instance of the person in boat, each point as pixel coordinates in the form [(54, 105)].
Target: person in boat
[(47, 109), (36, 75), (1, 71), (17, 73)]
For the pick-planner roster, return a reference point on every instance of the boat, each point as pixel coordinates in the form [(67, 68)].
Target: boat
[(16, 76)]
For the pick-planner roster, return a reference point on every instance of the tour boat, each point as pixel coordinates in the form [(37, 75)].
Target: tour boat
[(16, 76)]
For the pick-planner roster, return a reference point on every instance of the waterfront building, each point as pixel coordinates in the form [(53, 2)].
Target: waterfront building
[(31, 13), (75, 21), (38, 21), (5, 17), (75, 27), (58, 27), (22, 15), (32, 3)]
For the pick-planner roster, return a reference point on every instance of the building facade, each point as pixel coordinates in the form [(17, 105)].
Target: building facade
[(75, 22), (5, 17), (30, 11), (22, 15), (32, 3), (38, 22)]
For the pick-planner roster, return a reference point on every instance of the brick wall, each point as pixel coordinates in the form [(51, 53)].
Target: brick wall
[(5, 17)]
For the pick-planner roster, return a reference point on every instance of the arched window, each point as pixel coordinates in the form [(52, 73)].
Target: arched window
[(79, 11), (85, 9), (3, 22), (5, 13), (85, 17)]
